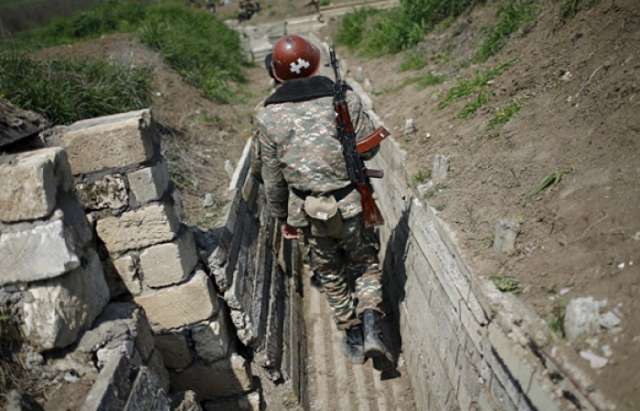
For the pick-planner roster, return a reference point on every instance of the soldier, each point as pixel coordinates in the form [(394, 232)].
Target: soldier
[(309, 191)]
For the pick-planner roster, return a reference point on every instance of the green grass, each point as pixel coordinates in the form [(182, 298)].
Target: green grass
[(421, 82), (69, 90), (506, 284), (421, 177), (555, 319), (390, 31), (504, 115), (511, 15), (469, 110), (413, 60), (548, 181), (193, 42), (569, 8), (464, 88)]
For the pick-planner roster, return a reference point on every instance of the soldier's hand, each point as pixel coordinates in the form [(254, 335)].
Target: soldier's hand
[(289, 232)]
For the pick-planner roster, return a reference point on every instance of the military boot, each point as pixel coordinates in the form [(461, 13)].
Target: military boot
[(354, 345), (374, 345)]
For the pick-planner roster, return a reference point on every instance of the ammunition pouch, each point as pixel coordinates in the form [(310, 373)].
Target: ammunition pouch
[(322, 211)]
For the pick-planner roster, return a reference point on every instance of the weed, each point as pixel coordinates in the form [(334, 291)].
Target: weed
[(200, 47), (428, 80), (503, 115), (69, 90), (555, 319), (512, 15), (413, 60), (470, 108), (464, 88), (421, 177), (570, 8), (324, 3), (394, 30), (506, 284), (550, 180), (352, 27)]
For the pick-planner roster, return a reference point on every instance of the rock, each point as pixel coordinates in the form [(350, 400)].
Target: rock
[(120, 322), (149, 184), (109, 191), (567, 76), (212, 339), (152, 224), (30, 182), (126, 268), (174, 349), (582, 317), (409, 127), (17, 401), (208, 200), (147, 393), (112, 387), (440, 168), (595, 360), (223, 378), (229, 168), (59, 309), (185, 304), (107, 142), (606, 350), (505, 236), (367, 85), (169, 263), (36, 253), (425, 188), (185, 401), (609, 320), (359, 74), (246, 402), (156, 364)]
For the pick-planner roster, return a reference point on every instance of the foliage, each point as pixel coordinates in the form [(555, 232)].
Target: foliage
[(201, 48), (421, 177), (512, 14), (413, 60), (569, 8), (69, 90), (464, 88), (352, 27), (552, 179), (471, 107), (506, 284), (196, 44), (555, 319), (503, 115), (377, 33)]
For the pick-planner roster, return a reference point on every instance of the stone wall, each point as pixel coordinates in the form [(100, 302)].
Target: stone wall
[(149, 255), (53, 287), (259, 275), (467, 346)]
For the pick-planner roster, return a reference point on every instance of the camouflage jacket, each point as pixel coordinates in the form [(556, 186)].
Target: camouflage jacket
[(298, 148)]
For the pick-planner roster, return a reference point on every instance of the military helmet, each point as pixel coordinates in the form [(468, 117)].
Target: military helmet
[(294, 57)]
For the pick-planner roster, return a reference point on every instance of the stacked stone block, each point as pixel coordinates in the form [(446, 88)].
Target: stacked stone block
[(124, 184), (48, 260)]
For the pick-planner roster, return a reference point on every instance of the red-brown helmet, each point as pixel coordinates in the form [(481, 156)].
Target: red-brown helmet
[(294, 57)]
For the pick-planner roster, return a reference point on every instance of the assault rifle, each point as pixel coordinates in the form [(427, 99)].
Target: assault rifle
[(351, 150)]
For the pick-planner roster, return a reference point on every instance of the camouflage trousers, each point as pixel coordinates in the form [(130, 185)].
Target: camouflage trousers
[(348, 270)]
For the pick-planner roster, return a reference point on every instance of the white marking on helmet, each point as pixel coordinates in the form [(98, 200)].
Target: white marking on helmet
[(299, 65)]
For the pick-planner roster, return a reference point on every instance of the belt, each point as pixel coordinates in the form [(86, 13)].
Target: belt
[(338, 194)]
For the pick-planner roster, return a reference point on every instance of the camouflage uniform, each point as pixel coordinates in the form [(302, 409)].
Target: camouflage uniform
[(299, 149)]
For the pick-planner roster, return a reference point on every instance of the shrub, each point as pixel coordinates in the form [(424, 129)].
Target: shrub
[(201, 48), (352, 27), (413, 61), (512, 15), (397, 29), (69, 90)]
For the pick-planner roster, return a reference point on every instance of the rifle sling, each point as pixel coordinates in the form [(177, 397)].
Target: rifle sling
[(338, 194), (303, 89)]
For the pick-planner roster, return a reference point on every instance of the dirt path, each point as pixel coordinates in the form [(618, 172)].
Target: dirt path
[(336, 384)]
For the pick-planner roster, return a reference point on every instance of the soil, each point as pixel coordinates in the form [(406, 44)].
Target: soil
[(578, 84), (199, 135)]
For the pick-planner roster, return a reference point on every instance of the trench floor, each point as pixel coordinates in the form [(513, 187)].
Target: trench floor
[(336, 384)]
